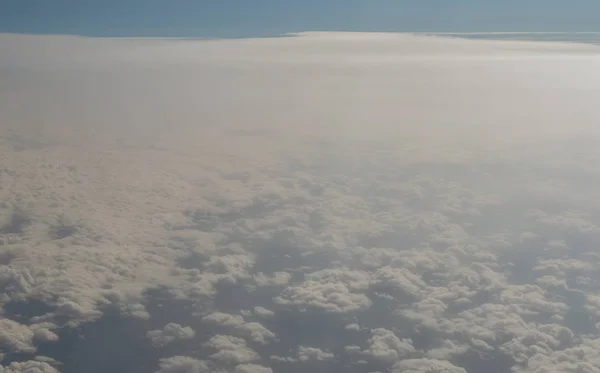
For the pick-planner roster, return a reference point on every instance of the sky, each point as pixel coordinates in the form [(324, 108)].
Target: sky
[(229, 18)]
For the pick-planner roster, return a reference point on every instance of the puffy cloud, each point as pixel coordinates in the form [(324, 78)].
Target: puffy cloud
[(45, 335), (283, 359), (231, 350), (404, 281), (15, 337), (447, 350), (221, 318), (252, 368), (353, 326), (252, 330), (28, 367), (15, 281), (263, 312), (183, 364), (306, 354), (278, 278), (335, 290), (426, 366), (581, 358), (312, 353), (352, 349), (384, 345), (170, 333), (46, 359), (257, 333)]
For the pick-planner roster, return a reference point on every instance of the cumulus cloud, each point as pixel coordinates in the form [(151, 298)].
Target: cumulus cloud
[(306, 354), (252, 368), (384, 345), (353, 326), (231, 350), (15, 337), (252, 330), (28, 367), (426, 366), (182, 364), (336, 291), (263, 312), (170, 333), (311, 353), (376, 202)]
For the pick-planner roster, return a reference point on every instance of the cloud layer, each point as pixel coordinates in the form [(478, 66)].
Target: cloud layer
[(327, 202)]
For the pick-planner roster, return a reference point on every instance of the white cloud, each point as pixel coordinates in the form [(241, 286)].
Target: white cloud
[(252, 368), (45, 335), (231, 350), (183, 364), (263, 312), (15, 337), (374, 181), (283, 359), (384, 345), (426, 366), (221, 318), (172, 332), (338, 291), (306, 354), (48, 360), (353, 326), (312, 353), (28, 367), (254, 331), (447, 350), (15, 281), (403, 280), (582, 358), (278, 278)]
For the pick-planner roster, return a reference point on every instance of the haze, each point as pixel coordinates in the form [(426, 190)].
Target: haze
[(324, 202)]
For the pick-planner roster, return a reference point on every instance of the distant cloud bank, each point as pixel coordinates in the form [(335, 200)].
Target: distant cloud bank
[(329, 202)]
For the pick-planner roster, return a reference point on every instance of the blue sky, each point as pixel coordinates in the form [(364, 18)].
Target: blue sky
[(238, 18)]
